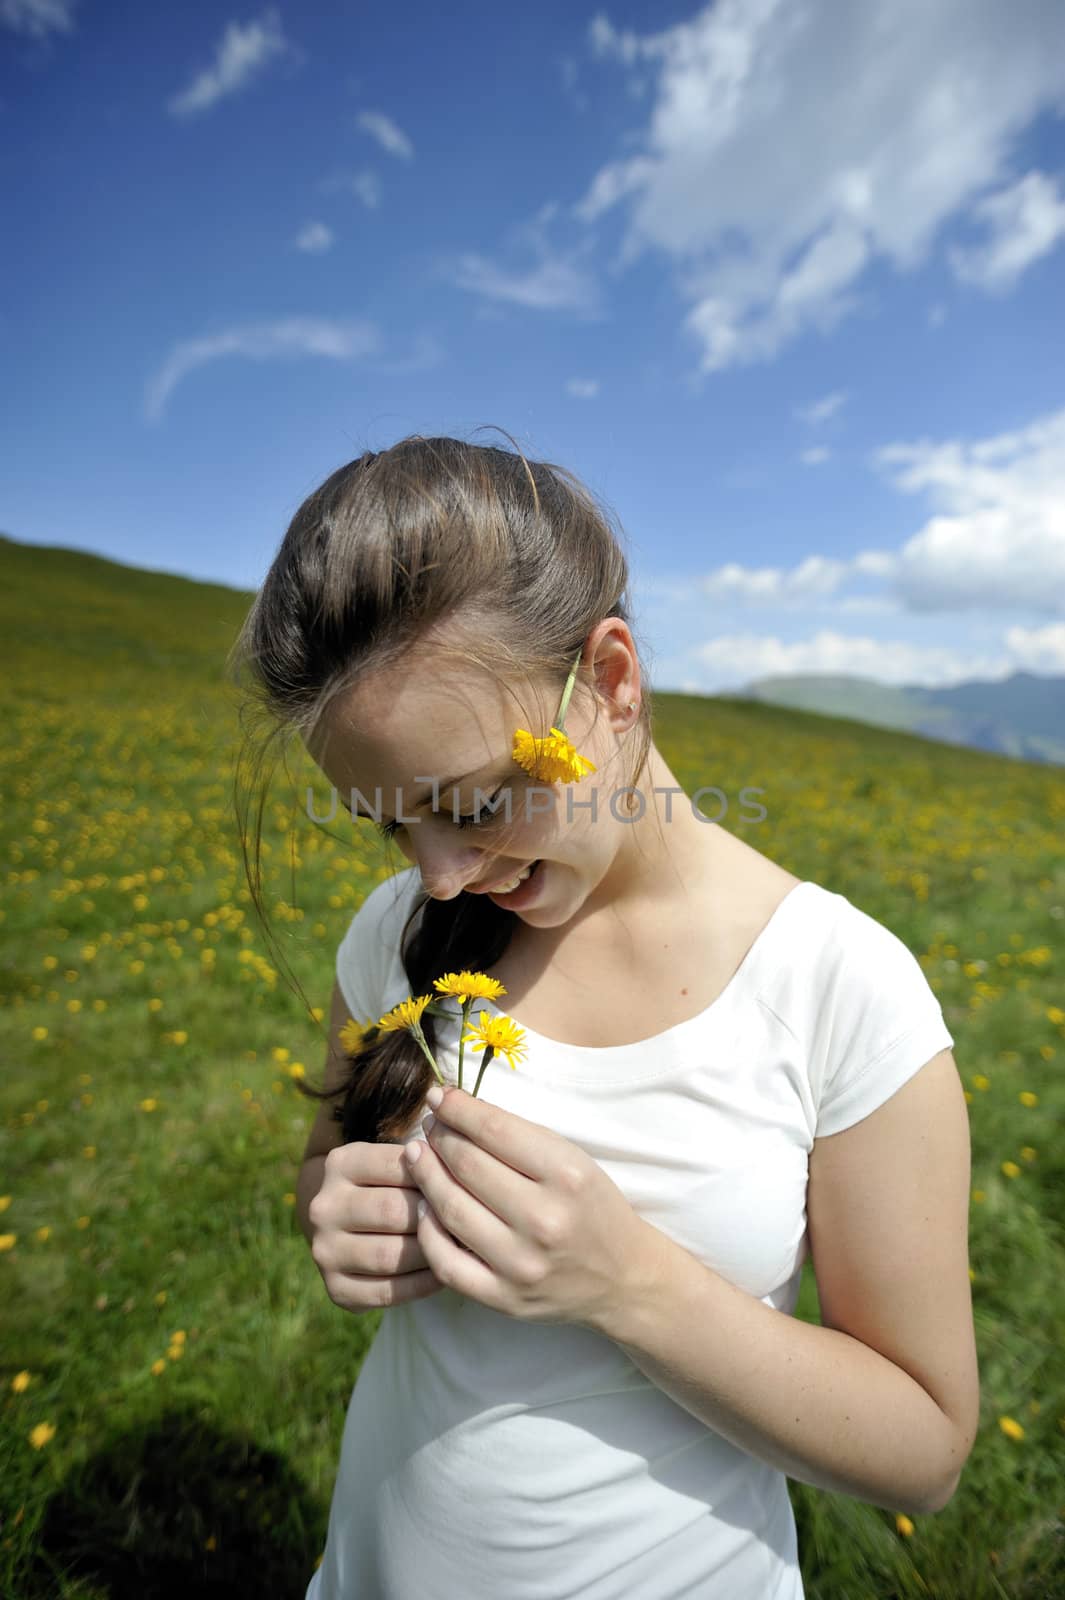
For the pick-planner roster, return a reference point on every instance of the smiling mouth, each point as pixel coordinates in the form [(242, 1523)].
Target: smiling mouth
[(506, 885)]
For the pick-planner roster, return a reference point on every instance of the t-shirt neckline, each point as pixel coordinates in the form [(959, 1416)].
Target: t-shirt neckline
[(638, 1057)]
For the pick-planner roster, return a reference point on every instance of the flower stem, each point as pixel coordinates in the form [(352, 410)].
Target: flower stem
[(485, 1059), (419, 1035), (466, 1004), (560, 720)]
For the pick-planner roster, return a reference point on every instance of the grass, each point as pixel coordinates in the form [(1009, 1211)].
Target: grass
[(173, 1375)]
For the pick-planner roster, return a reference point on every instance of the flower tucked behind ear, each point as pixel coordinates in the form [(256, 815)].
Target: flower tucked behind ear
[(553, 759)]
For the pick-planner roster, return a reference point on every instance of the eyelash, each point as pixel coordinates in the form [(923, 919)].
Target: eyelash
[(389, 828)]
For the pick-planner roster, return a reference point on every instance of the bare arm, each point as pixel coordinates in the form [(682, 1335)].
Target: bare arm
[(881, 1402)]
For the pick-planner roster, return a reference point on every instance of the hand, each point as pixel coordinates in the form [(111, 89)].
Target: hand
[(365, 1229), (553, 1239)]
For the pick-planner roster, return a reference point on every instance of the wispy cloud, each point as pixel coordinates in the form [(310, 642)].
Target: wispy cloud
[(821, 410), (262, 341), (242, 54), (557, 283), (737, 177), (365, 186), (583, 388), (314, 238), (37, 18), (1024, 223), (815, 457), (388, 135)]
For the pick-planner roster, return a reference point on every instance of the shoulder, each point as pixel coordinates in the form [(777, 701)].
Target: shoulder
[(379, 919)]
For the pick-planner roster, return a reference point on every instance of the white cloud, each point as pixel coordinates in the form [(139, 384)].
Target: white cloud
[(996, 540), (1038, 649), (789, 148), (37, 18), (314, 238), (738, 657), (815, 457), (583, 388), (557, 283), (1024, 223), (387, 134), (243, 52), (569, 71), (364, 185), (821, 410), (265, 341)]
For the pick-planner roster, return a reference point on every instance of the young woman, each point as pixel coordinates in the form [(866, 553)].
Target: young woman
[(588, 1381)]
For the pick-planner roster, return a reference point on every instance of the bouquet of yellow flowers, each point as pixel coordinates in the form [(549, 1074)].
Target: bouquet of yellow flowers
[(498, 1035)]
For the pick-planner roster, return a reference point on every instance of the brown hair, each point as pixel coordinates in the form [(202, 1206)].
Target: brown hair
[(484, 556)]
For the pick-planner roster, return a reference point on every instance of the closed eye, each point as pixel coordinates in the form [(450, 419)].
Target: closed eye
[(474, 819)]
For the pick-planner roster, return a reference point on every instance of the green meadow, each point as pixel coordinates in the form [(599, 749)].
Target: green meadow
[(173, 1375)]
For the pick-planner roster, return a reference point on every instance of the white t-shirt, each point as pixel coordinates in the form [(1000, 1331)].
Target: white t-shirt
[(486, 1457)]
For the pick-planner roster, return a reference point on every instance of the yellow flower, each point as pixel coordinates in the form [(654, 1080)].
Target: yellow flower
[(1027, 1098), (41, 1435), (1011, 1169), (408, 1014), (352, 1036), (904, 1526), (504, 1036), (8, 1241), (20, 1381), (1010, 1428), (553, 759), (469, 986)]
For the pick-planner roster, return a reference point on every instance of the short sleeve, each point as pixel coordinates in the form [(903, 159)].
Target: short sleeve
[(878, 1020), (369, 954)]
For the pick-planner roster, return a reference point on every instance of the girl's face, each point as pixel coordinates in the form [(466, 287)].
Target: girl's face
[(431, 751)]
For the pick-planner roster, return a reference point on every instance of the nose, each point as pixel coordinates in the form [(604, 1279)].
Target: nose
[(445, 865)]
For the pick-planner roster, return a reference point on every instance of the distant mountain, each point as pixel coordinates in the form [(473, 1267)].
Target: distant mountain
[(1021, 716)]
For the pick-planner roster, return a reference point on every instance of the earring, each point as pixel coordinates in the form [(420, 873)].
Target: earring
[(632, 705)]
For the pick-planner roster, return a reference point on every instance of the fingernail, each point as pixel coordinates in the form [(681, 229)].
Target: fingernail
[(423, 1206), (414, 1150), (435, 1095), (428, 1123)]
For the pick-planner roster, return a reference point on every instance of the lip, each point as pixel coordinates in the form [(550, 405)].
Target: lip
[(490, 888)]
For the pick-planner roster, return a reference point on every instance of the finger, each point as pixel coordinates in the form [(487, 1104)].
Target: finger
[(524, 1146), (454, 1264), (457, 1211)]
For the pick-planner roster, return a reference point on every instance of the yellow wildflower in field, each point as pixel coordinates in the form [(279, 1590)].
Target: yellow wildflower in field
[(20, 1382), (904, 1526), (149, 1104), (40, 1033), (8, 1241), (1027, 1098), (280, 1053), (980, 1082), (1010, 1428), (1055, 1015), (5, 1201), (1011, 1169), (42, 1434), (1027, 1153)]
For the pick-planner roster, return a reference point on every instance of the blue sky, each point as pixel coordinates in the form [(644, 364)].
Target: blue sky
[(780, 280)]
